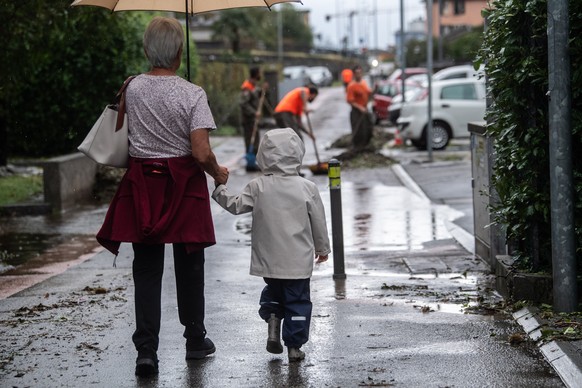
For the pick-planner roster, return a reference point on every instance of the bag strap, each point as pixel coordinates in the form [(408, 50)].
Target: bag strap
[(120, 101)]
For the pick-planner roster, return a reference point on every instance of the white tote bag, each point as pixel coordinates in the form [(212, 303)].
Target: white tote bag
[(104, 144), (107, 142)]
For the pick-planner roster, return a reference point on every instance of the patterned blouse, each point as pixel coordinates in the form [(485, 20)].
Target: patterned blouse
[(162, 111)]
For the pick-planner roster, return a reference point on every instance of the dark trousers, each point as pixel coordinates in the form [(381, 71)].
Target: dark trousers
[(148, 269), (362, 128), (288, 120), (248, 124), (290, 300)]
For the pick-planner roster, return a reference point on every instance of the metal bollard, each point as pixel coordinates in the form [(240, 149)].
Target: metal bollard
[(335, 192)]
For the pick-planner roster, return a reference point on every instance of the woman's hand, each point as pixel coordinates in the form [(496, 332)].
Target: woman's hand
[(320, 258), (221, 176)]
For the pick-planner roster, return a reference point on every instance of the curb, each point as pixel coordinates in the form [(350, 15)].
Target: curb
[(466, 239), (562, 356), (408, 182)]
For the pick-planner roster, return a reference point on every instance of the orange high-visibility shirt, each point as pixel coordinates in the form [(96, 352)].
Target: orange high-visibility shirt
[(247, 85), (347, 75), (293, 102), (358, 92)]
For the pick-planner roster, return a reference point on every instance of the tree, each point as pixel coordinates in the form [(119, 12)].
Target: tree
[(461, 49), (258, 24), (232, 26), (60, 65), (295, 31)]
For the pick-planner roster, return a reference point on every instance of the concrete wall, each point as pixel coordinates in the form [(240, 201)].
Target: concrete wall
[(68, 179), (489, 236)]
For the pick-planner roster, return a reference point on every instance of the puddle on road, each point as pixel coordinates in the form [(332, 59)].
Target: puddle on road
[(17, 248), (34, 241), (389, 218), (383, 218)]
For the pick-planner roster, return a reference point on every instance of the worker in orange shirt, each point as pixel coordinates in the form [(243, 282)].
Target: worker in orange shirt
[(251, 112), (289, 110), (358, 95), (347, 76)]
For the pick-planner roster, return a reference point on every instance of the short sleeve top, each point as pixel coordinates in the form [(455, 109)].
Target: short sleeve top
[(162, 111), (293, 101), (358, 92)]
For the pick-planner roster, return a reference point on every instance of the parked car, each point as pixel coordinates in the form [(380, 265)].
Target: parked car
[(320, 75), (411, 93), (295, 72), (409, 71), (462, 71), (453, 72), (384, 93), (455, 103)]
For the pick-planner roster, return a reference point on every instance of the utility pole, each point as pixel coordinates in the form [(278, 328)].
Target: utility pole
[(280, 36), (565, 289), (350, 16), (429, 7), (376, 44), (402, 50), (440, 47)]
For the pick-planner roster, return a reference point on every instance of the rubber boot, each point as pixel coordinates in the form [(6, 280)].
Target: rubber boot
[(274, 339), (295, 354)]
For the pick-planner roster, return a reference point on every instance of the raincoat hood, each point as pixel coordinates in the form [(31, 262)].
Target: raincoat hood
[(281, 152)]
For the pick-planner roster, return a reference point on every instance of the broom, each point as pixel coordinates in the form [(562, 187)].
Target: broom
[(250, 156), (319, 168)]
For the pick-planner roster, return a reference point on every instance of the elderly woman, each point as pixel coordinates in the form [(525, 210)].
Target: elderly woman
[(163, 197)]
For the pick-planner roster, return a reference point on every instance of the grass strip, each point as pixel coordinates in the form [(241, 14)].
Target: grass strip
[(16, 189)]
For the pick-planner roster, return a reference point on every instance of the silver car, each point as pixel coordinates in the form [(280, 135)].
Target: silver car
[(455, 103)]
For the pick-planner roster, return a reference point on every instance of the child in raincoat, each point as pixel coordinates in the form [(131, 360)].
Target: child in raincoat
[(289, 232)]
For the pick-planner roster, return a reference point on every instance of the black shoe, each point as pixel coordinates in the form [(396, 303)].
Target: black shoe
[(146, 367), (197, 351)]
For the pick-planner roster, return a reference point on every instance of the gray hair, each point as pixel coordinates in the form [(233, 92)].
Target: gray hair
[(162, 40)]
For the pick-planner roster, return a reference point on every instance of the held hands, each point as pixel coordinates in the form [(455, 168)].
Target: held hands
[(222, 176), (320, 258)]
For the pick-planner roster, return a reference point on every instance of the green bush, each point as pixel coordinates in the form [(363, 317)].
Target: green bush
[(222, 82), (60, 66), (73, 60), (515, 51)]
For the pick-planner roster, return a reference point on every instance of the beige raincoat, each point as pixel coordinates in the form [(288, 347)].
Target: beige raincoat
[(289, 226)]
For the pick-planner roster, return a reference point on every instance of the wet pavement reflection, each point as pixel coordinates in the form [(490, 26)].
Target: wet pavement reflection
[(402, 317), (390, 218)]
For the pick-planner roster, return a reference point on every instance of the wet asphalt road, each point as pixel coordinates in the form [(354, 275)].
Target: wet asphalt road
[(404, 316)]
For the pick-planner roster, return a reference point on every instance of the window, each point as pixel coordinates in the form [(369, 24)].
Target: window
[(452, 7), (455, 76), (459, 92), (459, 7)]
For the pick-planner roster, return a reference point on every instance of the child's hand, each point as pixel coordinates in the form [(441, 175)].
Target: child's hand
[(320, 258)]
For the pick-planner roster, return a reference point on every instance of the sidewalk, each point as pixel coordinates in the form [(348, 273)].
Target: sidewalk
[(426, 180), (407, 315), (397, 320)]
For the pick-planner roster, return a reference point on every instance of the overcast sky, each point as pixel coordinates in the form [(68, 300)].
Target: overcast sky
[(366, 24)]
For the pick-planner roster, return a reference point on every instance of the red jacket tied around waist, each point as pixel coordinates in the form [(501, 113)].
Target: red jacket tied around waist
[(160, 201)]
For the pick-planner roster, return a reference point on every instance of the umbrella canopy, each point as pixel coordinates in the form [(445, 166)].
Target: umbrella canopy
[(189, 7)]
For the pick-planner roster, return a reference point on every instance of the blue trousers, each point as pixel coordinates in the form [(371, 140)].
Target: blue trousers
[(289, 300)]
